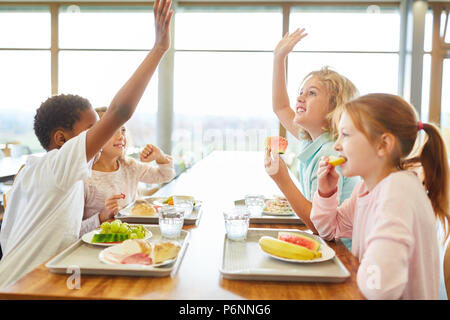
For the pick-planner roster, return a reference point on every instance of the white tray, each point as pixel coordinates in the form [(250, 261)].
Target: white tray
[(272, 219), (125, 214), (244, 260), (85, 257)]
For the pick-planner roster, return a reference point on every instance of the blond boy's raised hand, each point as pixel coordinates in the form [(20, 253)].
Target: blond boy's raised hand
[(288, 42), (280, 98), (163, 15)]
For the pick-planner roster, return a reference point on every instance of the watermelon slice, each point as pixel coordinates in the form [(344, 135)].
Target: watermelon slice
[(109, 237), (299, 239), (276, 144)]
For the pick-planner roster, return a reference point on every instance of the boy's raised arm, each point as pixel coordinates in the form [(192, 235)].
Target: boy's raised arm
[(280, 98), (127, 98)]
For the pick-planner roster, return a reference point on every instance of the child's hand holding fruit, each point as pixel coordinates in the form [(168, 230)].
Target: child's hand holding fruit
[(111, 207), (275, 167), (327, 178)]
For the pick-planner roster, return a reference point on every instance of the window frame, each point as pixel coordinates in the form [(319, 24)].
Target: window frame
[(286, 7), (440, 50)]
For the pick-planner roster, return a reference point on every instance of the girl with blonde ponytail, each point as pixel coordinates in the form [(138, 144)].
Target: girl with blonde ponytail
[(391, 214)]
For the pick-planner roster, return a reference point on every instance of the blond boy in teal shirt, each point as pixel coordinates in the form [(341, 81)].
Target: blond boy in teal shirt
[(322, 94)]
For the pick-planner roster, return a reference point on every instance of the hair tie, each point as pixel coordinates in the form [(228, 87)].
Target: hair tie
[(420, 125)]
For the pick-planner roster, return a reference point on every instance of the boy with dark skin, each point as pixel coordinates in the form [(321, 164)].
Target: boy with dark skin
[(46, 203)]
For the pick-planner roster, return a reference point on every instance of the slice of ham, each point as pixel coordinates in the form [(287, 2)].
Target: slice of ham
[(137, 258), (114, 257)]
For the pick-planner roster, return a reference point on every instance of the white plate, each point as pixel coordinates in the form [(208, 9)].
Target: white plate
[(160, 202), (87, 237), (269, 213), (277, 213), (327, 254), (241, 202), (127, 211), (117, 248)]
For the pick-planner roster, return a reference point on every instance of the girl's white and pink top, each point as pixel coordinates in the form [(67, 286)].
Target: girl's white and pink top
[(102, 185), (393, 228)]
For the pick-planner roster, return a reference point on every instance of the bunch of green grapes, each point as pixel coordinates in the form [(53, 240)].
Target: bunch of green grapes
[(117, 226)]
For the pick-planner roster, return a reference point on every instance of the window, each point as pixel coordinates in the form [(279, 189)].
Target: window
[(426, 78), (96, 27), (25, 65), (364, 54), (437, 68), (352, 41), (222, 80), (233, 28), (446, 84), (363, 69), (427, 47), (445, 105), (25, 27), (222, 63), (100, 48)]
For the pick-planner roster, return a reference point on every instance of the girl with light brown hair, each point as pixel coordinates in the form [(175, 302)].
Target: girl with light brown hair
[(115, 178), (391, 214)]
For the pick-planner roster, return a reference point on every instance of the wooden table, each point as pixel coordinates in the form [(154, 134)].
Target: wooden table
[(218, 180)]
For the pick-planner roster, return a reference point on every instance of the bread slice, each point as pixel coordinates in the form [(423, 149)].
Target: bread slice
[(165, 251), (132, 246), (158, 252), (143, 209)]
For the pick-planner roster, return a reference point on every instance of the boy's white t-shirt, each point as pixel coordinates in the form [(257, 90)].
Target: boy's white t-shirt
[(45, 209)]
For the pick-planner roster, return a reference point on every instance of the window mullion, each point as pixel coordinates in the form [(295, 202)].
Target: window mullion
[(286, 14), (54, 49), (436, 68)]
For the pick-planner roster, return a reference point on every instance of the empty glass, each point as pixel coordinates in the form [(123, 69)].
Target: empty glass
[(236, 223), (255, 204), (171, 219), (184, 202)]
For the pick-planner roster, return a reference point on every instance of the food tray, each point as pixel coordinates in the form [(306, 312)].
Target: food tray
[(272, 219), (85, 257), (244, 260), (125, 213)]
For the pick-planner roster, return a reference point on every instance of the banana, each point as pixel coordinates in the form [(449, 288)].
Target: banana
[(335, 161), (287, 250)]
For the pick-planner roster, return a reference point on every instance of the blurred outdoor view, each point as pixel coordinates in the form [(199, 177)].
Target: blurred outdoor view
[(222, 66)]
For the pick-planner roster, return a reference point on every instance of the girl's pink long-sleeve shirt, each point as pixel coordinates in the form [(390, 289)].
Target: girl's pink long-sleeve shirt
[(393, 231)]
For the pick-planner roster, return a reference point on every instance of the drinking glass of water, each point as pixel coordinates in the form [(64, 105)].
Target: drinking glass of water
[(236, 223), (255, 204), (186, 203), (171, 219)]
